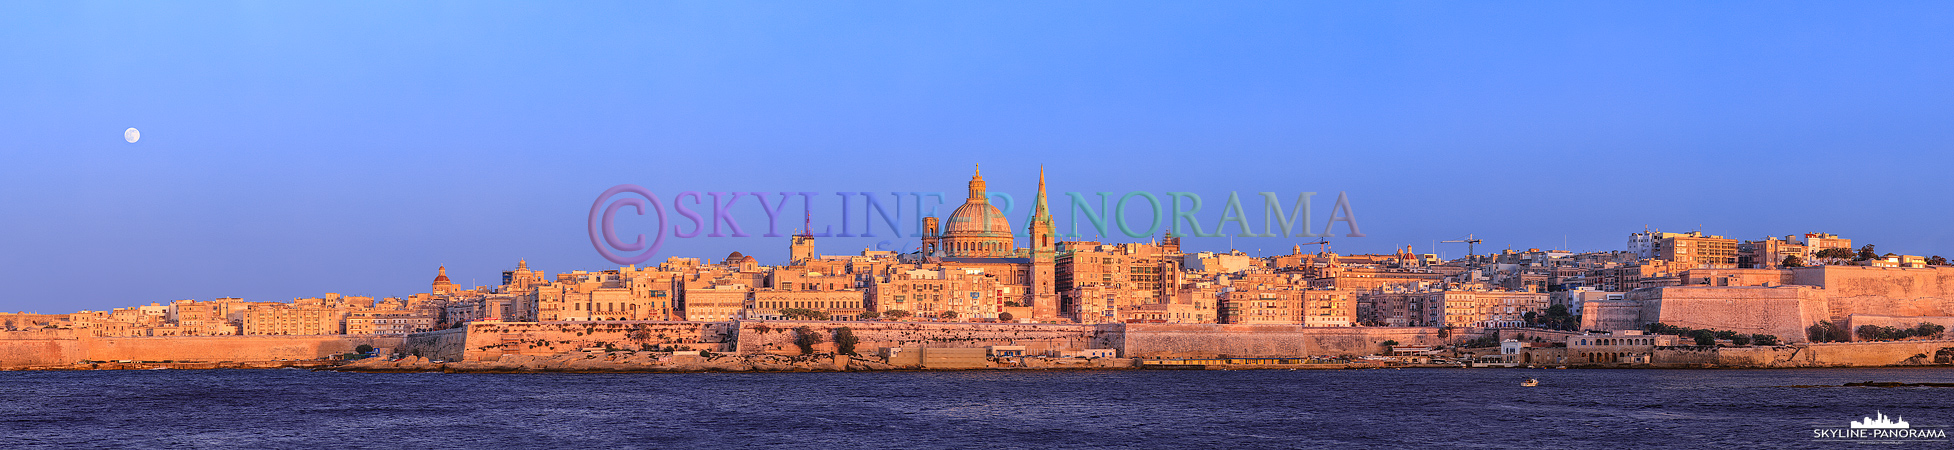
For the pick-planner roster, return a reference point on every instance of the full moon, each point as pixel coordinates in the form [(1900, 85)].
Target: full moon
[(131, 135)]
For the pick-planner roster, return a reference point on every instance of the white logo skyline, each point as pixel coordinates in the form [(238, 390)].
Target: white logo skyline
[(1881, 422)]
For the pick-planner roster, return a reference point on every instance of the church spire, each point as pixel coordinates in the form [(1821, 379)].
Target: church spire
[(1041, 212)]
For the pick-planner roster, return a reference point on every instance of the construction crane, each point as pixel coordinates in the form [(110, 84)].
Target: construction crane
[(1470, 241), (1322, 246)]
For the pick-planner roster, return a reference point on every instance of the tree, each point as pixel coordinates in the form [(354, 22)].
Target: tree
[(1558, 318), (1741, 339), (364, 349), (802, 314), (806, 338), (1928, 330), (1792, 261), (1936, 260), (845, 341), (1390, 343), (1764, 339), (896, 314), (1705, 337), (947, 315), (1866, 253), (1835, 253), (1867, 332), (868, 315), (1005, 317), (1826, 331)]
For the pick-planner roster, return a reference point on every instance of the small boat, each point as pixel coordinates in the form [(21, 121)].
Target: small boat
[(1530, 382)]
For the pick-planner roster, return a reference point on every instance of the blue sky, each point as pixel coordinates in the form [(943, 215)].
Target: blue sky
[(292, 149)]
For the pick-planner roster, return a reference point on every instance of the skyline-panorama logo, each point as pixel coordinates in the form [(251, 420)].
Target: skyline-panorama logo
[(1880, 429)]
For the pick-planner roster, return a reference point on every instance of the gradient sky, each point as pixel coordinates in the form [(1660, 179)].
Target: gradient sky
[(293, 149)]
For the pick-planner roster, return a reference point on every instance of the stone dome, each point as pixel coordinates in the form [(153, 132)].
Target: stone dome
[(977, 229), (977, 219)]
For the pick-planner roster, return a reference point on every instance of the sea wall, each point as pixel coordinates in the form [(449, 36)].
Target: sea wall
[(39, 348), (229, 348), (778, 337), (57, 347), (1849, 354), (446, 345), (487, 341), (1237, 340)]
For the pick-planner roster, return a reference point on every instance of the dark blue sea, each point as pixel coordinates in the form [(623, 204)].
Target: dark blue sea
[(1250, 409)]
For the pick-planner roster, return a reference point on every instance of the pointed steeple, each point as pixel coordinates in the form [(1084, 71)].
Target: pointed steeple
[(1041, 212)]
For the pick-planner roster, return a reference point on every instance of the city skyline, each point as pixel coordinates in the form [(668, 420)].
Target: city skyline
[(300, 155)]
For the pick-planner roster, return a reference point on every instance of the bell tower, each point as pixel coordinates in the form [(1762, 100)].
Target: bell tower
[(1043, 298), (930, 237)]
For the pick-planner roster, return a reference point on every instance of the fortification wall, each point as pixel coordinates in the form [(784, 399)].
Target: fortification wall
[(442, 345), (487, 341), (1740, 277), (778, 336), (1783, 311), (1534, 334), (39, 348), (227, 348), (1854, 354), (1683, 356), (1210, 340), (1890, 291), (1851, 354), (1611, 315), (1853, 322)]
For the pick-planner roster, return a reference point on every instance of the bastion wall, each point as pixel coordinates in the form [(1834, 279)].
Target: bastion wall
[(1853, 322), (57, 347), (229, 348), (1847, 354), (1783, 311), (778, 336), (487, 341), (1151, 340), (446, 345), (39, 348), (1888, 291)]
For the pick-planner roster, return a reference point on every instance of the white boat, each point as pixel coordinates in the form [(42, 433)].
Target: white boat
[(1530, 382)]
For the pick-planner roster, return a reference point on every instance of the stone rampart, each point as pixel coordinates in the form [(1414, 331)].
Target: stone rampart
[(1890, 291), (57, 347), (1783, 311), (487, 341), (778, 336), (1237, 340), (39, 348), (228, 348), (446, 345), (1612, 315), (1854, 354), (1853, 322)]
